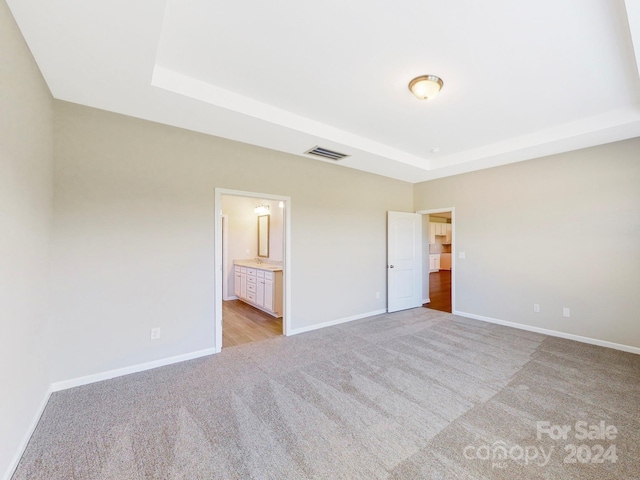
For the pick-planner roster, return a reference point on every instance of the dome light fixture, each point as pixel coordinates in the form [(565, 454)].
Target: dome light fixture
[(425, 87)]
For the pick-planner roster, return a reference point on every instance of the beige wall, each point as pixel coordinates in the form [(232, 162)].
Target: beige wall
[(134, 236), (26, 182), (561, 231)]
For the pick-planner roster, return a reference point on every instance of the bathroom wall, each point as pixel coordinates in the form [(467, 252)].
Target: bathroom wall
[(242, 234)]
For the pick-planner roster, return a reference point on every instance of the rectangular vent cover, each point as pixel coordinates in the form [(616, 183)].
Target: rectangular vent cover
[(324, 153)]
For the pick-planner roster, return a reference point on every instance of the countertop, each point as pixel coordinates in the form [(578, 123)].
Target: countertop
[(260, 266)]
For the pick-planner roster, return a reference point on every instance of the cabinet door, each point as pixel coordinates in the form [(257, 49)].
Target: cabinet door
[(432, 232), (448, 233), (237, 283), (260, 292), (268, 294), (243, 285), (437, 262)]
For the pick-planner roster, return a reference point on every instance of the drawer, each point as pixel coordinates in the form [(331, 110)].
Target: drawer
[(251, 271), (268, 275), (251, 287), (251, 279), (260, 274), (243, 269), (251, 297)]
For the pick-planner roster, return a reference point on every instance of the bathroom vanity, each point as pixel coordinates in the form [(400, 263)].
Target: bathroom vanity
[(259, 285)]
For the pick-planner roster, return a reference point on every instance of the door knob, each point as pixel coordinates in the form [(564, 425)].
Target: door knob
[(390, 266)]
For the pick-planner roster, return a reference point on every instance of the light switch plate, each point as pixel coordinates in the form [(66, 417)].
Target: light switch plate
[(461, 255)]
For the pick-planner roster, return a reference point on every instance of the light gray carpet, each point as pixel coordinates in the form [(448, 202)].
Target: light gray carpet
[(418, 394)]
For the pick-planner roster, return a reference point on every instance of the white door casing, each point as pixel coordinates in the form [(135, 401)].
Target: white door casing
[(404, 261), (286, 273)]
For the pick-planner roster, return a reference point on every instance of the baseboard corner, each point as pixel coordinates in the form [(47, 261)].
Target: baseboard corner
[(338, 321), (119, 372), (552, 333), (27, 437)]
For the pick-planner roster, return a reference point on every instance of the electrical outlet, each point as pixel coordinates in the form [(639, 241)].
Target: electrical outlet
[(462, 255), (566, 312), (536, 307), (155, 333)]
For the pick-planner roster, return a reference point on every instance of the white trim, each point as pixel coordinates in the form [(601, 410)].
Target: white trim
[(232, 297), (119, 372), (286, 267), (225, 261), (426, 300), (27, 437), (552, 333), (336, 322)]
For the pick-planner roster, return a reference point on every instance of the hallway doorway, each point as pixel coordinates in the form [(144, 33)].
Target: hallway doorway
[(438, 259), (439, 291)]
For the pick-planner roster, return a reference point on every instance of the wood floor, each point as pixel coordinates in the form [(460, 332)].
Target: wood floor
[(241, 323), (440, 291)]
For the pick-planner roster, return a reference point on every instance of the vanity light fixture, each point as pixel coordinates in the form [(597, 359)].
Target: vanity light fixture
[(262, 209), (425, 87)]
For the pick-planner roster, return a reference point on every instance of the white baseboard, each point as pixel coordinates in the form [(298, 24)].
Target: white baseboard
[(426, 300), (552, 333), (335, 322), (230, 297), (25, 440), (97, 377)]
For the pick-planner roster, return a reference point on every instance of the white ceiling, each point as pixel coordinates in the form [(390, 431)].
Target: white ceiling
[(521, 79)]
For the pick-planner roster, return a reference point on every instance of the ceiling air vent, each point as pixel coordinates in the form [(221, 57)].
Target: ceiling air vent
[(324, 153)]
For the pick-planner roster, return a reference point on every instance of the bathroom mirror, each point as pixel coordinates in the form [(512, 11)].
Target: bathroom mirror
[(263, 236)]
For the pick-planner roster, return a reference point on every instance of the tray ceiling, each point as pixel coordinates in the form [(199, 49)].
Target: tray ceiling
[(521, 79)]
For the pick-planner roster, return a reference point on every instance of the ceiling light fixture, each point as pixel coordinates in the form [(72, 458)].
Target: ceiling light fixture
[(425, 87)]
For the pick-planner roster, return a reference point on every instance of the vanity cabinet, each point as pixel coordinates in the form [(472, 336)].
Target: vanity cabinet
[(261, 288)]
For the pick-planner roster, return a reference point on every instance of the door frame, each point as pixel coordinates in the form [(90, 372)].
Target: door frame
[(225, 259), (218, 260), (453, 248)]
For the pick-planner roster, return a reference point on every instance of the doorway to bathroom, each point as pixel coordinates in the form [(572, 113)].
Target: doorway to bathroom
[(252, 258)]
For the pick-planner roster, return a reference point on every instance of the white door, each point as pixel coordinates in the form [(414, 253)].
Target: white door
[(404, 257)]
